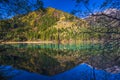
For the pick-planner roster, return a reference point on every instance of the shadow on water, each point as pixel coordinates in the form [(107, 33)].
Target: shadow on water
[(49, 60)]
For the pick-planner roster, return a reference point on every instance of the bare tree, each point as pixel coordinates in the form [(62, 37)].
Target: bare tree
[(106, 15), (10, 8)]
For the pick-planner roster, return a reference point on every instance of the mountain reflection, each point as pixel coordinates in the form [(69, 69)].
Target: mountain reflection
[(80, 72), (48, 59)]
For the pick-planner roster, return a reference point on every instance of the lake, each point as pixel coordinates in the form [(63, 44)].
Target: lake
[(54, 59)]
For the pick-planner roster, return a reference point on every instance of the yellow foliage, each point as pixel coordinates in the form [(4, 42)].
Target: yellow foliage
[(32, 23), (33, 14), (62, 17), (50, 10)]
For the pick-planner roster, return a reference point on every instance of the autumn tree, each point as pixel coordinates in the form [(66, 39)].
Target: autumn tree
[(10, 8)]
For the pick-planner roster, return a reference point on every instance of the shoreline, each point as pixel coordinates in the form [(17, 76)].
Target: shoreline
[(31, 42), (49, 42)]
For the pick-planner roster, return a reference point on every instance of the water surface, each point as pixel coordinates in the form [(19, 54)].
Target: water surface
[(53, 59)]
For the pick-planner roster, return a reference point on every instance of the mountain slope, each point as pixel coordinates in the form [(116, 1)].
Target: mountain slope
[(107, 23), (105, 17), (41, 25), (54, 25)]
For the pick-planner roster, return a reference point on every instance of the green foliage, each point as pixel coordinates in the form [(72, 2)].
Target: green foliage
[(48, 25)]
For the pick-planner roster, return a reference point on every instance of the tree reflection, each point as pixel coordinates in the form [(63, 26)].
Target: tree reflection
[(45, 59)]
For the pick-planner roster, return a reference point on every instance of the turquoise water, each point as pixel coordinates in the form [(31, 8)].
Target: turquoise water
[(52, 59), (58, 46)]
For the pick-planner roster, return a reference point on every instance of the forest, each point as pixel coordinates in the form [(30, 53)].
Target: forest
[(52, 25), (89, 34)]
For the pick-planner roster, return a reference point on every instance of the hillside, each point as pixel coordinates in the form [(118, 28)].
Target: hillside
[(107, 16), (49, 24), (54, 25), (106, 22)]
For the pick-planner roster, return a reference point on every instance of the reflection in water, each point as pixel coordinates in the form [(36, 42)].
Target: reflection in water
[(48, 59), (45, 59), (80, 72)]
